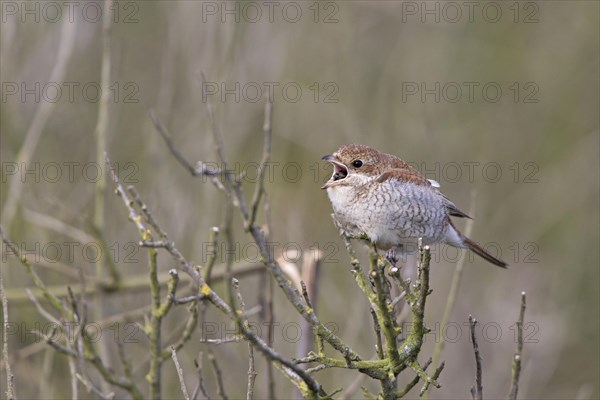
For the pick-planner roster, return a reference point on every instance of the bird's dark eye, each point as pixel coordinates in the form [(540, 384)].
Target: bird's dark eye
[(357, 163)]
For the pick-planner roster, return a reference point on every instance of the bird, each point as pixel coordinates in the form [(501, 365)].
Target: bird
[(380, 197)]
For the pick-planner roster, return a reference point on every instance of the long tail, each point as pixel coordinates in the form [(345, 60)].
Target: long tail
[(475, 248)]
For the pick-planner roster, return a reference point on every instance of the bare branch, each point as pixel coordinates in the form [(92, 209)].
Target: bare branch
[(218, 375), (433, 380), (310, 272), (218, 139), (270, 320), (120, 191), (206, 290), (147, 214), (10, 388), (212, 256), (200, 385), (260, 187), (377, 327), (55, 301), (41, 309), (289, 368), (516, 364), (201, 168), (124, 361), (179, 370), (164, 133), (382, 311), (92, 389), (153, 327), (412, 383), (190, 325), (56, 225), (251, 373), (477, 389), (169, 246)]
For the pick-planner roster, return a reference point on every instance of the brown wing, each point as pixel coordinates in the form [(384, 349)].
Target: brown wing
[(410, 174)]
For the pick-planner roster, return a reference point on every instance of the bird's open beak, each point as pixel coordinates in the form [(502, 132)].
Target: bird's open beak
[(340, 171)]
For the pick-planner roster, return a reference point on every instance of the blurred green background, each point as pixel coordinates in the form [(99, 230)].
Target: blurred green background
[(498, 98)]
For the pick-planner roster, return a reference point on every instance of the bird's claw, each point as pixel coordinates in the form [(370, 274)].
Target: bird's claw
[(392, 256)]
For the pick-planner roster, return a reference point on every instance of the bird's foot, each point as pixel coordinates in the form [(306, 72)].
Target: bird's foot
[(393, 255)]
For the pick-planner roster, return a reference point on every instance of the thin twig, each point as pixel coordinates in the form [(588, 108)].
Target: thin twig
[(54, 301), (437, 373), (146, 235), (218, 140), (42, 310), (412, 383), (200, 385), (232, 185), (260, 187), (10, 388), (17, 295), (251, 373), (179, 370), (147, 214), (428, 380), (270, 317), (251, 370), (382, 312), (398, 299), (434, 377), (230, 243), (377, 327), (164, 133), (293, 371), (310, 274), (153, 327), (228, 339), (477, 389), (72, 372), (91, 355), (120, 191), (190, 326), (92, 389), (212, 255), (58, 226), (124, 361), (218, 375), (516, 364)]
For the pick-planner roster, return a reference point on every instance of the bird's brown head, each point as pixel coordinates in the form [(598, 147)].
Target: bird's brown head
[(357, 161)]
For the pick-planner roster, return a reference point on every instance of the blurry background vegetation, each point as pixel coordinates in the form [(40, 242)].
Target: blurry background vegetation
[(542, 212)]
